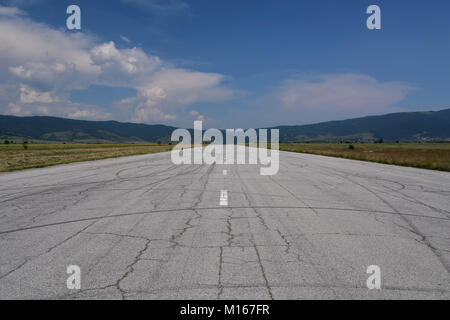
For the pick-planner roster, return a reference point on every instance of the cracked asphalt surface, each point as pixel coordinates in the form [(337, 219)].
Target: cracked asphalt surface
[(142, 228)]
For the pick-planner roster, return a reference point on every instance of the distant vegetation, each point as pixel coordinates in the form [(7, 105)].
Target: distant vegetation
[(422, 155), (27, 140), (428, 126), (23, 156), (52, 129), (434, 156), (406, 126)]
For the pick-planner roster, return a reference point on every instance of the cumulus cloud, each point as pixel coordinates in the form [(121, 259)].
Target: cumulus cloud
[(182, 87), (42, 65), (43, 56), (29, 95)]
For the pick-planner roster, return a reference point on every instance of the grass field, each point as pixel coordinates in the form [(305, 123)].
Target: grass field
[(15, 157), (434, 156), (421, 155)]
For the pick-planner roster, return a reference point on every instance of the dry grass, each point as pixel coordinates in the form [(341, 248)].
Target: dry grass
[(434, 156), (421, 155), (15, 157)]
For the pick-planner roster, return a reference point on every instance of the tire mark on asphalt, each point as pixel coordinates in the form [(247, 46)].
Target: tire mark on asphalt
[(412, 227), (214, 208)]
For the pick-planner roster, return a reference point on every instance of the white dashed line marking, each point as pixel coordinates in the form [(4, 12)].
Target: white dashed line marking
[(223, 197), (224, 172)]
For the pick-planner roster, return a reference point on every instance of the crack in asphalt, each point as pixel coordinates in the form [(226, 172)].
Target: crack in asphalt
[(412, 227), (213, 208), (279, 240)]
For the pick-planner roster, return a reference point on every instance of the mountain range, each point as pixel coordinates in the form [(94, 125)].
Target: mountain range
[(52, 129), (404, 126)]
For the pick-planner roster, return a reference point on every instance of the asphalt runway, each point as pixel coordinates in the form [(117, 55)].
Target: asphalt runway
[(143, 228)]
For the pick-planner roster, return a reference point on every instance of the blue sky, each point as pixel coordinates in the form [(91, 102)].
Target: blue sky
[(229, 63)]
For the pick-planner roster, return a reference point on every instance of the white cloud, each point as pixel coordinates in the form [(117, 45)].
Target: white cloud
[(42, 65), (43, 110), (144, 113), (29, 95), (341, 92), (125, 39), (17, 110), (89, 113), (10, 11), (197, 115), (44, 56), (328, 97), (133, 64), (162, 96), (58, 109)]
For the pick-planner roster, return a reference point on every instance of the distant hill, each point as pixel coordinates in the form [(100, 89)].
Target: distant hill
[(42, 129), (405, 126)]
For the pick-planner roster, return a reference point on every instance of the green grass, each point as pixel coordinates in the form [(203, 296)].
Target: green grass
[(15, 157), (434, 156)]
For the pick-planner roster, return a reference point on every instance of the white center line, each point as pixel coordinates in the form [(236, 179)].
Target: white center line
[(223, 197)]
